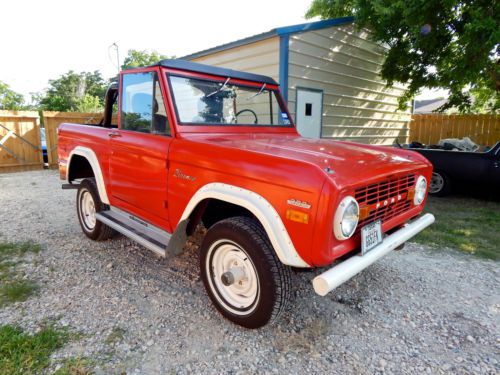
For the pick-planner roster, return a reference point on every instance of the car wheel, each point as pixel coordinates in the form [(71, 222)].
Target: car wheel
[(440, 184), (88, 204), (242, 275)]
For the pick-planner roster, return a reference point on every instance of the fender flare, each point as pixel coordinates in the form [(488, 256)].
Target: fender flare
[(263, 211), (91, 157)]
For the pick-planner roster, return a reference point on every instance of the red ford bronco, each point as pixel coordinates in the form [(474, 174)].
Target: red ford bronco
[(199, 144)]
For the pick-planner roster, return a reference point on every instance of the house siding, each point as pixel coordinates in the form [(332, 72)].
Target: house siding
[(260, 57), (345, 65)]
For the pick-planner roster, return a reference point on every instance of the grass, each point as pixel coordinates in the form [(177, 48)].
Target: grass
[(466, 224), (13, 287), (75, 366), (8, 249), (116, 335), (16, 291), (21, 353), (25, 354)]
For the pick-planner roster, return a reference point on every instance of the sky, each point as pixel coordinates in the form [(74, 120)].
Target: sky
[(42, 39)]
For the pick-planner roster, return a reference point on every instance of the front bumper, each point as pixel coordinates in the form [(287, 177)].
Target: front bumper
[(329, 280)]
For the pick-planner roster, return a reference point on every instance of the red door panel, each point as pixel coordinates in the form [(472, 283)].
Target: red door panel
[(138, 173)]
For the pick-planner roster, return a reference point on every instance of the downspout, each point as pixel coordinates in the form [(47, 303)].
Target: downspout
[(283, 70)]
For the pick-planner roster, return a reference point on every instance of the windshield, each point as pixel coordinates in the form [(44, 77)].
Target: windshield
[(203, 102)]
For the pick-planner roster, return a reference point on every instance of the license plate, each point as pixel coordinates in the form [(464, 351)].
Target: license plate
[(371, 236)]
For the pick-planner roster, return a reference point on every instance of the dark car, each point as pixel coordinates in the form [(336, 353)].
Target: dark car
[(44, 146), (479, 169)]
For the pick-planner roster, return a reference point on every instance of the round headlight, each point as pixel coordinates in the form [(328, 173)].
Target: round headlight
[(420, 190), (346, 218)]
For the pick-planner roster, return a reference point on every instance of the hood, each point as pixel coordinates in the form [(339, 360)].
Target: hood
[(344, 162)]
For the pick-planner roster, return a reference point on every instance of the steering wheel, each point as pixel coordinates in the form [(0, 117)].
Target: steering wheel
[(248, 110)]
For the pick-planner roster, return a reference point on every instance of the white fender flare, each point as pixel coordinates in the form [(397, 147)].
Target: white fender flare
[(91, 157), (263, 211)]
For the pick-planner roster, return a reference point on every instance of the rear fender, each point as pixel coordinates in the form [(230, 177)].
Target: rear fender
[(91, 157)]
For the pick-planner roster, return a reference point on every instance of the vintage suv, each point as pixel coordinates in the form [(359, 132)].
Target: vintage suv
[(200, 144)]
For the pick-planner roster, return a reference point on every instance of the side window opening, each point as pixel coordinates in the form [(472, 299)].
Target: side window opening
[(160, 123), (143, 108)]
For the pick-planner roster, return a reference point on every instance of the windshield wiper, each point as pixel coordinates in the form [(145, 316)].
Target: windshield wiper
[(260, 92), (219, 89)]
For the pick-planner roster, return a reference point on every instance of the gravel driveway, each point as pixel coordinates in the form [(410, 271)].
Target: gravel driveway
[(416, 311)]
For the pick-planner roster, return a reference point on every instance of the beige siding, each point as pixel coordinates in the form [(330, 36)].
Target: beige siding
[(260, 57), (343, 63)]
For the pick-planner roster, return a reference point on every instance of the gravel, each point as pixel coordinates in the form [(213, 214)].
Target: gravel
[(416, 311)]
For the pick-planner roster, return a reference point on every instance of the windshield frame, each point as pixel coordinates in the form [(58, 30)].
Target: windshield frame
[(274, 89)]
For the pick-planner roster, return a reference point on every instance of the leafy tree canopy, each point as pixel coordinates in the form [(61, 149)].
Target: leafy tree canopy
[(10, 99), (449, 44), (74, 92), (137, 58)]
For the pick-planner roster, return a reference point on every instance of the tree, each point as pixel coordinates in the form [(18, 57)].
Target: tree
[(137, 58), (74, 91), (89, 103), (10, 99), (451, 44)]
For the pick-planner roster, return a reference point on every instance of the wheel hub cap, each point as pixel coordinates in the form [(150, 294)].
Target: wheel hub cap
[(233, 276), (437, 183)]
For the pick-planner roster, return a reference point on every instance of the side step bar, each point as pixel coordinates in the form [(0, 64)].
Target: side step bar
[(148, 235)]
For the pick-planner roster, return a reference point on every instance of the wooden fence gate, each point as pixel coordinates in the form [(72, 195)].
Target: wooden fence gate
[(20, 145), (20, 142)]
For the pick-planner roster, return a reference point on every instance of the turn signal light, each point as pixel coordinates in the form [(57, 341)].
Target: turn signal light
[(411, 195), (364, 212), (297, 216)]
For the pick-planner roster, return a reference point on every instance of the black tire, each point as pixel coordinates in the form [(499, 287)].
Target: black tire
[(248, 239), (99, 231), (440, 184)]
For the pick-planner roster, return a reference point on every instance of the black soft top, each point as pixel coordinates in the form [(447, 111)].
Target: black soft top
[(214, 70)]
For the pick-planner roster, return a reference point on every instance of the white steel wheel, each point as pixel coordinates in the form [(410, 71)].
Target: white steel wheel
[(87, 210), (233, 277), (436, 184), (241, 273), (88, 204)]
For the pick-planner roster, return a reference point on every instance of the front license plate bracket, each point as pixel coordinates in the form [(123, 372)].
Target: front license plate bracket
[(371, 236)]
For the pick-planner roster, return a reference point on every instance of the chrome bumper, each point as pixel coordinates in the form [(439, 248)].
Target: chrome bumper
[(329, 280)]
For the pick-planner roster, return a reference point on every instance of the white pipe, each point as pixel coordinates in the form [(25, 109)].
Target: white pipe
[(329, 280)]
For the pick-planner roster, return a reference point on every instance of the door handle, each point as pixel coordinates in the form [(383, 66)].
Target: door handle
[(114, 135)]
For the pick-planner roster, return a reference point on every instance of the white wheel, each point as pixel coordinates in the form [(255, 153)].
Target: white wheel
[(87, 210), (242, 274), (232, 276), (87, 205), (436, 184)]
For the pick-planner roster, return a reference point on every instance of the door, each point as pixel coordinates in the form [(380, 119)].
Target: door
[(139, 150), (309, 112)]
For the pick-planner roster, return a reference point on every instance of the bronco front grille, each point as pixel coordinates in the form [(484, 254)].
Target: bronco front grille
[(386, 199)]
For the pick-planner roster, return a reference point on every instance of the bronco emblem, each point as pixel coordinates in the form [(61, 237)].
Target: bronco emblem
[(179, 174)]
